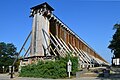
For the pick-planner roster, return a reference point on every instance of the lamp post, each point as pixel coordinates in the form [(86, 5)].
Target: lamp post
[(3, 68), (11, 71), (11, 68)]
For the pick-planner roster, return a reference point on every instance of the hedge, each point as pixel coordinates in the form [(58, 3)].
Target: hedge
[(50, 69)]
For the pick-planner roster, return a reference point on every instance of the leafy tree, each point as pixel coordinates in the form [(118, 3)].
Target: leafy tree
[(115, 43), (7, 55)]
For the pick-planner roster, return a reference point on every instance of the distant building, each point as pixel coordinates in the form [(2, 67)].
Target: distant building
[(52, 38), (115, 61)]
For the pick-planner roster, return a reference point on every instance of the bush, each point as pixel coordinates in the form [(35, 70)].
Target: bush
[(50, 69)]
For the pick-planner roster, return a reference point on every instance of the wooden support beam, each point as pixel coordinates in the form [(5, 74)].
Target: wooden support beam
[(64, 44), (95, 59), (47, 49), (72, 49), (63, 51), (81, 56), (27, 51), (87, 55), (44, 33), (53, 51), (22, 48)]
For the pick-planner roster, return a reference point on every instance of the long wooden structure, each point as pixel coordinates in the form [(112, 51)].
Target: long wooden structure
[(52, 38)]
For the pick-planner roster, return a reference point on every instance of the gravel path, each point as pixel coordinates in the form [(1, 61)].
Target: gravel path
[(7, 77), (4, 77)]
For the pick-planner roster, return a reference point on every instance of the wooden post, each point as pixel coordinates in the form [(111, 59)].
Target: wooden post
[(11, 74)]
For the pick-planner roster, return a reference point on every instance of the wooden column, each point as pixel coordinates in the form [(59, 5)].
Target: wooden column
[(57, 29)]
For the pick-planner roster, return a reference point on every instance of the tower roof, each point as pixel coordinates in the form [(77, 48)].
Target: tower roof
[(42, 5)]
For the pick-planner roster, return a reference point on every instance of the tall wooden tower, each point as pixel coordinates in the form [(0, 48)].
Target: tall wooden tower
[(40, 21)]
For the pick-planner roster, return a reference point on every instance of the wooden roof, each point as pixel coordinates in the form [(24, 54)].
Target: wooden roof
[(42, 5)]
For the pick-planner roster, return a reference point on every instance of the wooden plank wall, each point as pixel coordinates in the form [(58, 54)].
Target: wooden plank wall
[(61, 32)]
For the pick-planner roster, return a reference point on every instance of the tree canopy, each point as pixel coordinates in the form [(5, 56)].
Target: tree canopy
[(115, 42), (7, 54)]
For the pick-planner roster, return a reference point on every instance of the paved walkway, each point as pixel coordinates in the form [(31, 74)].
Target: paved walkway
[(7, 77), (4, 77)]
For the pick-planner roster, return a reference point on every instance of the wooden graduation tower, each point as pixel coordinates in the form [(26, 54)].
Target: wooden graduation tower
[(52, 38)]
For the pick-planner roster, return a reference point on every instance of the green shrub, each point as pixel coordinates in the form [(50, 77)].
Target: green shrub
[(50, 69)]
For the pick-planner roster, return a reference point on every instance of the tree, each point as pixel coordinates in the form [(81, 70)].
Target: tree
[(7, 55), (115, 42)]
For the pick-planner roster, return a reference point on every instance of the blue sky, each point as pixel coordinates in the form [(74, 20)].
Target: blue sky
[(91, 20)]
